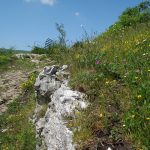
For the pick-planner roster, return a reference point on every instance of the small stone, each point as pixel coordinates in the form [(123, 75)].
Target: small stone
[(4, 130), (64, 67), (1, 101)]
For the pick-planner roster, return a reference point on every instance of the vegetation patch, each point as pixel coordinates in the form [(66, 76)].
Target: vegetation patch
[(113, 70), (16, 131)]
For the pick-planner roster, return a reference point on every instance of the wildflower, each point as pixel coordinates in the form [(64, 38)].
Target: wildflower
[(144, 54), (107, 82), (123, 125), (97, 62), (125, 76), (136, 78), (101, 115), (96, 79), (114, 81), (148, 118), (148, 70), (132, 116), (77, 113), (139, 96)]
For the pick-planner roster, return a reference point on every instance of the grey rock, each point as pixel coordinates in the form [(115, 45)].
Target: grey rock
[(64, 67), (4, 130), (51, 129), (1, 101)]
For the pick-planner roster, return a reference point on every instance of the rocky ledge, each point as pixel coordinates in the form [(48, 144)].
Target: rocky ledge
[(52, 90)]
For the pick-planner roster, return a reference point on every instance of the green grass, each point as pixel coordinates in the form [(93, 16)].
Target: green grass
[(5, 58), (10, 63), (114, 71), (20, 132)]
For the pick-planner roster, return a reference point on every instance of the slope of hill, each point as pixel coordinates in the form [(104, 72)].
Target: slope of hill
[(113, 70)]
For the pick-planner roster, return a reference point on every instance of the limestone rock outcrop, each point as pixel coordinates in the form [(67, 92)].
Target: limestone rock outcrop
[(52, 89)]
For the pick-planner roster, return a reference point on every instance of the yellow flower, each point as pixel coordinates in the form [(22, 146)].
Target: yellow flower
[(77, 113), (101, 115), (148, 118), (107, 82), (96, 79), (139, 96), (114, 81), (148, 70)]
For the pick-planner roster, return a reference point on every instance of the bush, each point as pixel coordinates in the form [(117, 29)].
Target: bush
[(4, 60), (38, 50), (29, 84), (133, 16), (78, 44)]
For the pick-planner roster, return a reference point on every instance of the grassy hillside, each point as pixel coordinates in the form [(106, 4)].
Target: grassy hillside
[(114, 71)]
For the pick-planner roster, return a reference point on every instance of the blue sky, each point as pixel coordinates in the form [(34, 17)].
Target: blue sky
[(24, 23)]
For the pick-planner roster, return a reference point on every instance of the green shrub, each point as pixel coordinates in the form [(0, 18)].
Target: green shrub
[(4, 60), (133, 16), (38, 50), (29, 84)]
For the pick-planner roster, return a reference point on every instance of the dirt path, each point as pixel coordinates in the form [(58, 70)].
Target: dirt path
[(10, 81), (10, 89)]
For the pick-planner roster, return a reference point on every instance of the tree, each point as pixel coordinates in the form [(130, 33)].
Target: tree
[(144, 6), (49, 43), (62, 34), (138, 14)]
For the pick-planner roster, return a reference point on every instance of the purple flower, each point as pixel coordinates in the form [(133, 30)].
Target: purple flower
[(97, 62)]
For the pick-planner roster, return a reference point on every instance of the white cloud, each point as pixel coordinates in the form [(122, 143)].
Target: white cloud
[(48, 2), (77, 14), (44, 2)]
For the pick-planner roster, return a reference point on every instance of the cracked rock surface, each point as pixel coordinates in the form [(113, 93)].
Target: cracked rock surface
[(52, 88)]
